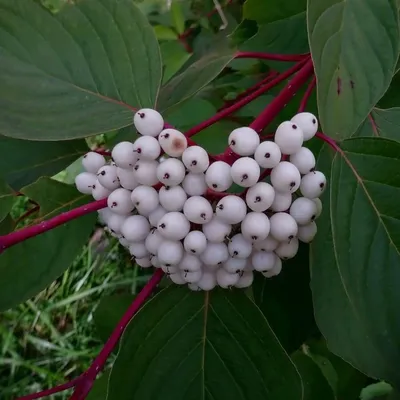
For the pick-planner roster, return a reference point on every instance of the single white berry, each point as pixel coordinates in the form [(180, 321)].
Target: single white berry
[(145, 172), (92, 162), (198, 210), (194, 287), (239, 246), (303, 160), (190, 263), (308, 124), (276, 270), (195, 184), (307, 233), (208, 281), (123, 155), (174, 226), (115, 222), (289, 137), (245, 172), (172, 198), (234, 265), (216, 230), (127, 178), (119, 201), (124, 242), (153, 241), (263, 261), (170, 252), (244, 141), (147, 147), (231, 209), (108, 177), (215, 254), (269, 244), (85, 181), (313, 184), (145, 199), (173, 142), (170, 269), (192, 276), (260, 196), (282, 201), (195, 242), (144, 262), (177, 278), (249, 266), (245, 280), (135, 228), (218, 176), (318, 203), (285, 177), (303, 210), (196, 159), (283, 226), (171, 172), (148, 122), (99, 192), (155, 261), (287, 250), (104, 215), (138, 250), (255, 226), (155, 216), (268, 155), (226, 279)]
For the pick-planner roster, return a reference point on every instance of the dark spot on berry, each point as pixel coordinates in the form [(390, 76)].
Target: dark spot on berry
[(244, 177), (167, 265), (102, 173), (313, 217), (186, 270), (312, 169), (257, 200), (112, 230), (314, 121), (203, 215), (294, 126), (162, 226), (167, 187), (114, 204), (233, 143), (137, 203), (194, 162), (263, 250), (142, 115), (321, 185), (254, 237), (267, 155), (193, 250), (178, 144), (235, 253), (292, 184), (136, 167), (85, 156), (220, 263), (221, 207), (214, 185), (166, 176), (290, 237), (139, 150), (94, 186)]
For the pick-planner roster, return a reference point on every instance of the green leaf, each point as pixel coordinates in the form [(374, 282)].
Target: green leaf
[(174, 57), (292, 321), (353, 43), (7, 225), (76, 73), (376, 391), (254, 108), (178, 18), (6, 198), (213, 345), (269, 11), (29, 267), (165, 33), (109, 312), (193, 79), (99, 390), (355, 260), (22, 161)]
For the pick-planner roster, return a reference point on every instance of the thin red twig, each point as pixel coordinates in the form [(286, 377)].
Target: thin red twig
[(307, 94), (104, 153), (332, 143), (271, 56), (373, 125), (27, 214)]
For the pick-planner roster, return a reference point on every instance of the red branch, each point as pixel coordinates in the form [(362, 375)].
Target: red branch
[(307, 94), (104, 153), (83, 387), (230, 110), (271, 56), (328, 140), (373, 125), (19, 236)]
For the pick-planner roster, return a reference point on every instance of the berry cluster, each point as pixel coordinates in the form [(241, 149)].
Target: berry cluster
[(168, 204)]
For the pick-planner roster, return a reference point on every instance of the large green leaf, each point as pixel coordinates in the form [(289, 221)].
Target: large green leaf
[(353, 43), (22, 161), (292, 321), (6, 198), (73, 74), (355, 256), (214, 345), (30, 266), (193, 79), (381, 123), (100, 387), (174, 56), (269, 11)]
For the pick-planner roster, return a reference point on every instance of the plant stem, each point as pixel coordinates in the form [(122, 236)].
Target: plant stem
[(19, 236), (87, 379), (307, 94), (27, 214), (104, 153), (328, 140), (280, 101), (257, 93), (373, 125), (271, 56)]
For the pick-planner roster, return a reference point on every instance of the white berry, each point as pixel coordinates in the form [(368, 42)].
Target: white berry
[(174, 226), (170, 269), (288, 249), (192, 276), (263, 261), (171, 172), (173, 142), (282, 201), (318, 203), (177, 278), (303, 160), (123, 155), (255, 226), (307, 233), (196, 159), (245, 280), (144, 262), (190, 263), (303, 210), (231, 209), (234, 265), (269, 244), (268, 155), (195, 242), (216, 230), (276, 270), (119, 201), (198, 210), (92, 162), (285, 177), (155, 216), (240, 247), (170, 252), (313, 184), (283, 226), (308, 124), (138, 250), (153, 241), (214, 254), (289, 137), (85, 181), (147, 147), (108, 177), (99, 192), (172, 198), (245, 172), (208, 281), (218, 176), (145, 199), (135, 228), (195, 184), (148, 122), (226, 279), (260, 197), (145, 172), (127, 178), (115, 222), (244, 141)]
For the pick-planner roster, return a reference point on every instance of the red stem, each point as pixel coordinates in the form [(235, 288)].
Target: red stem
[(270, 56), (373, 125), (84, 386), (230, 110), (280, 101), (16, 237), (328, 140), (49, 392), (104, 153), (307, 94)]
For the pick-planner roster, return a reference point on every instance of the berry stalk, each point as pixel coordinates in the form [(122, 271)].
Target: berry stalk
[(20, 235), (271, 56), (331, 142), (307, 94), (84, 386)]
